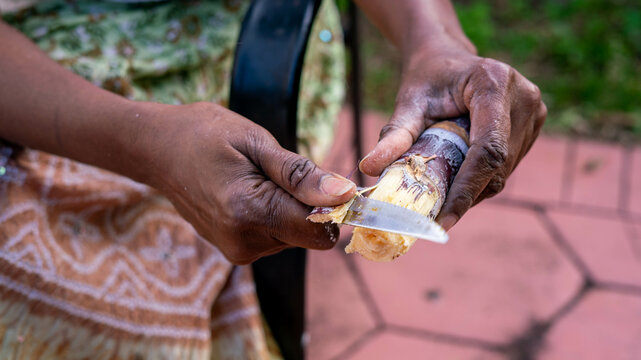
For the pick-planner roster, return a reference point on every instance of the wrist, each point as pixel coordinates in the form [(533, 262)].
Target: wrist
[(142, 140), (436, 43), (434, 29), (433, 55), (168, 138)]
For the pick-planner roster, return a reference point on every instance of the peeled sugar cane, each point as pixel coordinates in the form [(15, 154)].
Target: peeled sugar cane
[(418, 180)]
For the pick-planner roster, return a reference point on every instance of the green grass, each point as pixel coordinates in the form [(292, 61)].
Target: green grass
[(585, 55)]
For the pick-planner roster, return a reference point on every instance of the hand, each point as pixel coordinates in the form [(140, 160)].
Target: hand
[(506, 114), (240, 190)]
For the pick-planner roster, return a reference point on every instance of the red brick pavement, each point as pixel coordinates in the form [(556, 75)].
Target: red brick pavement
[(549, 269)]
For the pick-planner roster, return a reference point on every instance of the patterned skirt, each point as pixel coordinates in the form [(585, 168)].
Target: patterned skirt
[(94, 265)]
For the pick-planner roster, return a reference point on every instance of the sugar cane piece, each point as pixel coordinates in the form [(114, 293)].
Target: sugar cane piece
[(419, 181), (335, 214)]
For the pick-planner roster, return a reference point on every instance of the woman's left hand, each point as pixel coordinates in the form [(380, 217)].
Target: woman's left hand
[(505, 109)]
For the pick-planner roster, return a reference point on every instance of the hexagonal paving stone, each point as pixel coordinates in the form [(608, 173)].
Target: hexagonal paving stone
[(634, 200), (528, 182), (499, 272), (596, 175), (635, 240), (341, 157), (372, 124), (598, 242), (388, 346), (336, 313), (604, 325)]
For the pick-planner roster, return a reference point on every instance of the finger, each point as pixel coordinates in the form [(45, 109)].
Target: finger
[(276, 250), (299, 176), (264, 218), (251, 246), (271, 246), (537, 124), (527, 113), (528, 116), (492, 188), (485, 160), (479, 167), (286, 222), (405, 126)]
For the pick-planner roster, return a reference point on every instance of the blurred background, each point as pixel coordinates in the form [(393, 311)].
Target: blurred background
[(548, 269), (585, 55)]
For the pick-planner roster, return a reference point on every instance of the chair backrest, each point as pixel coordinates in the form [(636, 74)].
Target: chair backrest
[(268, 64), (264, 88)]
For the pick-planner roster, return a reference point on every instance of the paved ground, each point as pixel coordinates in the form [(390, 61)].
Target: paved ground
[(550, 269)]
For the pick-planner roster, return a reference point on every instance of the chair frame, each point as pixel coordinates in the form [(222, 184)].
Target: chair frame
[(264, 88)]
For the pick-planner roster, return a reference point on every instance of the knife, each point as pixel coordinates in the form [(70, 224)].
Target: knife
[(380, 215)]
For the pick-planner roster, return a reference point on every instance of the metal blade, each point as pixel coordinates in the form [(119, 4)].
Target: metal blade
[(379, 215)]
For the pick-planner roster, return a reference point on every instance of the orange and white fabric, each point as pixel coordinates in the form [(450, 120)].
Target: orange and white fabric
[(96, 266)]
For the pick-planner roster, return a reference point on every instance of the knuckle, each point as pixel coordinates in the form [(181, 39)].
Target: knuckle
[(254, 136), (541, 115), (263, 209), (497, 67), (495, 74), (495, 186), (409, 95), (238, 254), (274, 219), (530, 96), (535, 94), (462, 202), (408, 129), (296, 171), (235, 247), (494, 154), (239, 212), (387, 128), (538, 120), (258, 142)]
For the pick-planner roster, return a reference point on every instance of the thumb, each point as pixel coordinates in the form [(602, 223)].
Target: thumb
[(303, 179), (405, 126)]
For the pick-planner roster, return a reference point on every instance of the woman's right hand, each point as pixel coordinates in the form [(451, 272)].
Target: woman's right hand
[(227, 176), (233, 182)]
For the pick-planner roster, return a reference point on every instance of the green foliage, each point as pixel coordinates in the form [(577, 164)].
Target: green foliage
[(342, 5), (585, 55), (381, 71)]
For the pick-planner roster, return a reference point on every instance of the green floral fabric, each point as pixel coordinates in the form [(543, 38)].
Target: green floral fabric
[(181, 52)]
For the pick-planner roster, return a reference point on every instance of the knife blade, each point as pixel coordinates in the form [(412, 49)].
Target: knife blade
[(379, 215)]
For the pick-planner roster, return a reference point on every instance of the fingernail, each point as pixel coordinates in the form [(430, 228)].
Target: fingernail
[(448, 222), (366, 156), (363, 159), (336, 186)]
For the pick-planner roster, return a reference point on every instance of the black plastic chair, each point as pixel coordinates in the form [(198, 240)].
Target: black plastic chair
[(264, 88)]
